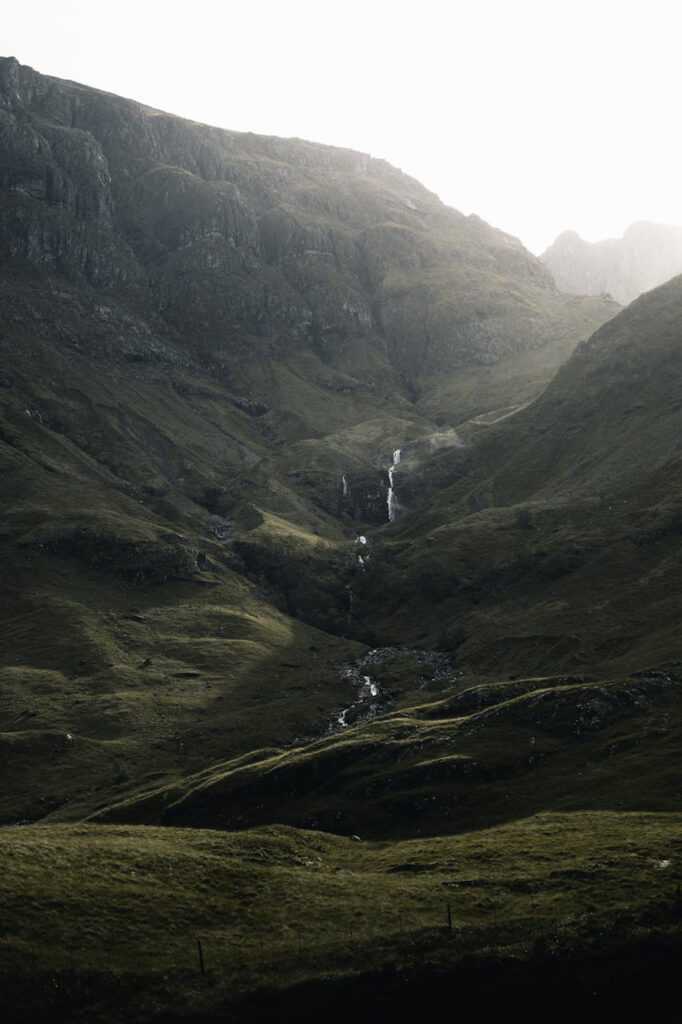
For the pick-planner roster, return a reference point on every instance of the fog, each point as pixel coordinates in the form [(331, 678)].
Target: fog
[(536, 116)]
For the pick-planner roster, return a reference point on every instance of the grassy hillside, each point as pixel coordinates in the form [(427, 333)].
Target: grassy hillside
[(483, 755), (105, 921), (551, 538)]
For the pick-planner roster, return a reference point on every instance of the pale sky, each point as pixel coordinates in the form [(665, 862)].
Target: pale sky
[(537, 116)]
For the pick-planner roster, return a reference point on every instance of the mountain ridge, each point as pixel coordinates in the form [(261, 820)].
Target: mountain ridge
[(188, 162)]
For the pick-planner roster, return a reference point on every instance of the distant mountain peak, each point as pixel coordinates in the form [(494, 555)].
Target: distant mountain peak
[(647, 255), (569, 235)]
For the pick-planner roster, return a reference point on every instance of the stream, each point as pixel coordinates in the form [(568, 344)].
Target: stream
[(391, 501), (367, 691), (370, 700)]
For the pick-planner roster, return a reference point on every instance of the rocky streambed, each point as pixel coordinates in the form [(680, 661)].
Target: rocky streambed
[(373, 696)]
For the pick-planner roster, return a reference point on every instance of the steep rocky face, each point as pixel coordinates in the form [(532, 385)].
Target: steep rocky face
[(271, 246), (647, 255)]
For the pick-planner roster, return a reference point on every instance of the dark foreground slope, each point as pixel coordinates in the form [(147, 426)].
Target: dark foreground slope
[(565, 914)]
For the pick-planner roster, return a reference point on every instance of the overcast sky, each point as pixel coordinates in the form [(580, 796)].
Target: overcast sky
[(538, 116)]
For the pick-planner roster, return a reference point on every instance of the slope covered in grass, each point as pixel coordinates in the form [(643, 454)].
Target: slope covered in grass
[(484, 755), (551, 540), (121, 909)]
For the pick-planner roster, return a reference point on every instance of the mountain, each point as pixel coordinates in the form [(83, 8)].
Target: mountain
[(647, 255), (269, 248), (337, 545), (202, 334)]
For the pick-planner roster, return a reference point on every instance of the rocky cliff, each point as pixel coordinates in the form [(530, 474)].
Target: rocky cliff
[(243, 242)]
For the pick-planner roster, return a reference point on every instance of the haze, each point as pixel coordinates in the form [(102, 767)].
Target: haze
[(536, 116)]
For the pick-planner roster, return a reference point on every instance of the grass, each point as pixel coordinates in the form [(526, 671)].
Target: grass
[(478, 757), (278, 907), (548, 538), (184, 675)]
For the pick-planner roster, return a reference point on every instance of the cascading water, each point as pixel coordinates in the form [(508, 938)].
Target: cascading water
[(391, 502), (366, 692), (344, 481)]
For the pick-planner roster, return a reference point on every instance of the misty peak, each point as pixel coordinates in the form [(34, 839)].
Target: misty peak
[(646, 256)]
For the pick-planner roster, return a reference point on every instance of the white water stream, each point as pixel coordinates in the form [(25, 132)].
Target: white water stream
[(391, 502), (367, 690)]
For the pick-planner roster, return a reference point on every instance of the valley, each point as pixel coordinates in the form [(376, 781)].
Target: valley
[(340, 586)]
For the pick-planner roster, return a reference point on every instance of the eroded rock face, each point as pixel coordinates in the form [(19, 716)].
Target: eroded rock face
[(228, 234), (646, 256), (56, 204)]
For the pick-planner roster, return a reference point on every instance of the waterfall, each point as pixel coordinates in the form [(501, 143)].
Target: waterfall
[(344, 481), (367, 690), (391, 502)]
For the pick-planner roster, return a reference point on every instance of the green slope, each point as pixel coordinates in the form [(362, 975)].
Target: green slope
[(103, 922), (485, 755), (551, 540)]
